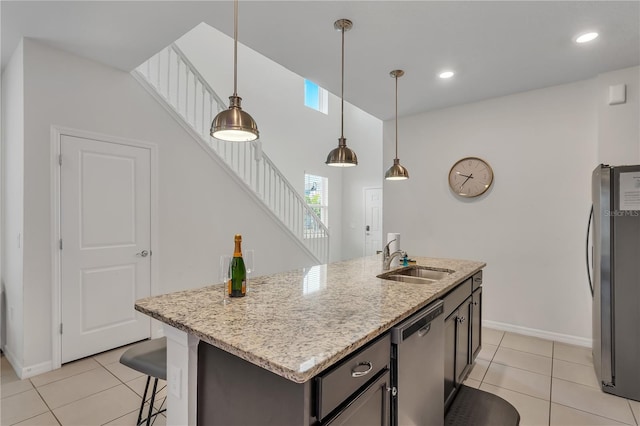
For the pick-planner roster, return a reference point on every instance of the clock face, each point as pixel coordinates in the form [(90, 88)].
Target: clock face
[(470, 177)]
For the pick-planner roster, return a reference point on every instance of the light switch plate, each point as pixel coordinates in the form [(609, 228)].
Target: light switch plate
[(617, 94)]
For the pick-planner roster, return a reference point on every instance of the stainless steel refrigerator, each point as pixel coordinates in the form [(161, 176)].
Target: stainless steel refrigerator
[(616, 279)]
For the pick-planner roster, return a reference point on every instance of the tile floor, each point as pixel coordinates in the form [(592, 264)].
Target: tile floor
[(549, 383), (97, 390)]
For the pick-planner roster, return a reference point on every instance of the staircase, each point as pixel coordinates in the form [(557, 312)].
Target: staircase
[(172, 80)]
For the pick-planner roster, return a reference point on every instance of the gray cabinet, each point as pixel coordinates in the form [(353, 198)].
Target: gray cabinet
[(463, 333), (353, 389), (369, 407), (476, 323)]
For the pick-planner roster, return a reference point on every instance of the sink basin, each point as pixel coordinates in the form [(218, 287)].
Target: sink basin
[(416, 274)]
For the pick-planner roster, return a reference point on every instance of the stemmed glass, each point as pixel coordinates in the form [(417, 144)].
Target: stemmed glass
[(224, 276), (247, 256)]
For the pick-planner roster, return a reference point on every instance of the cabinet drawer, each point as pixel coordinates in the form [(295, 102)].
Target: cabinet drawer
[(336, 385), (456, 297)]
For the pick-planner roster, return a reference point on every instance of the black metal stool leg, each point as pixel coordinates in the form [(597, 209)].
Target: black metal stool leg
[(153, 398), (144, 397)]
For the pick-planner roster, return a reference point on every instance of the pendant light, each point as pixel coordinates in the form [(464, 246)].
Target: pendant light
[(342, 156), (396, 172), (234, 124)]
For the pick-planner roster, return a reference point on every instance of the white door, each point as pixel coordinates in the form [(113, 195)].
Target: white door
[(105, 208), (372, 220)]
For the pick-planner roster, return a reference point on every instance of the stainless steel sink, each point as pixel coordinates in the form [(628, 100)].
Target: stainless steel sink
[(416, 274)]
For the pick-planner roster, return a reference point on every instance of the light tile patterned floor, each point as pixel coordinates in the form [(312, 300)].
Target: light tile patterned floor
[(549, 383), (93, 391)]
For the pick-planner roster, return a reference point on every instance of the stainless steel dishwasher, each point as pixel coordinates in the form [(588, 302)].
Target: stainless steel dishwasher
[(417, 373)]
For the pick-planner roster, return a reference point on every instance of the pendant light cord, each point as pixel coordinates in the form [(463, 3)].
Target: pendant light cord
[(235, 48), (396, 116), (342, 91)]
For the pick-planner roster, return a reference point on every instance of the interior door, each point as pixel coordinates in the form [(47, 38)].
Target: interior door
[(105, 256), (373, 220)]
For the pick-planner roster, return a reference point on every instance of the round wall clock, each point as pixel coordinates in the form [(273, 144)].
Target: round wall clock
[(470, 177)]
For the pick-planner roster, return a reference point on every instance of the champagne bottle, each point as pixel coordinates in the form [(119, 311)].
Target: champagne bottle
[(238, 272)]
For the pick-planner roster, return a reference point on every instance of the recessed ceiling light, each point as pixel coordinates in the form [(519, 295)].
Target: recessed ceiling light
[(586, 37), (446, 74)]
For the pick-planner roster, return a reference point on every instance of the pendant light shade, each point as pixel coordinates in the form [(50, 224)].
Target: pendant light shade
[(234, 124), (397, 171), (342, 156)]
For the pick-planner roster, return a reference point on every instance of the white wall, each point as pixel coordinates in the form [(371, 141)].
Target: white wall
[(619, 125), (199, 207), (12, 191), (367, 143), (530, 226), (298, 139)]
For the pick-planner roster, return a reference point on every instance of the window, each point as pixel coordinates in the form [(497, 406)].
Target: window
[(315, 97), (316, 194)]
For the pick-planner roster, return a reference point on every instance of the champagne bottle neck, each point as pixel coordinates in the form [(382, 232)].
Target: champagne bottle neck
[(237, 251)]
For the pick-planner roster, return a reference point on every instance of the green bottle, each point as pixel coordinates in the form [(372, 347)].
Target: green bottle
[(238, 272)]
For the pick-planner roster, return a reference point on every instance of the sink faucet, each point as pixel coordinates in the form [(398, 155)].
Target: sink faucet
[(388, 258)]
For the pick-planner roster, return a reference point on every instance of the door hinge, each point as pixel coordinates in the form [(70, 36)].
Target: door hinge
[(60, 328), (60, 243), (60, 159)]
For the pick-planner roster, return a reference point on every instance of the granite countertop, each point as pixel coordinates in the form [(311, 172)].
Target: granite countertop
[(298, 323)]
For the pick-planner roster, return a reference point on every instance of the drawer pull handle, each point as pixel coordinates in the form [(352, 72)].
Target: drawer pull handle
[(355, 372)]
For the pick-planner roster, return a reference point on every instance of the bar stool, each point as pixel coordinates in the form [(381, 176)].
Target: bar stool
[(150, 358)]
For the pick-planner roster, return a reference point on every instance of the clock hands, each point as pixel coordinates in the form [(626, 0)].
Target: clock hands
[(467, 178)]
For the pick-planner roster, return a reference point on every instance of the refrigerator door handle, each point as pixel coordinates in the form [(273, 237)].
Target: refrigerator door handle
[(587, 251)]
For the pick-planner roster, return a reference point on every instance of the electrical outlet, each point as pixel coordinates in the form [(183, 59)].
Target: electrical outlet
[(175, 380)]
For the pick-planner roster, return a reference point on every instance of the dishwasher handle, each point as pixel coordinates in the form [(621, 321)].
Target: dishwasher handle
[(424, 330)]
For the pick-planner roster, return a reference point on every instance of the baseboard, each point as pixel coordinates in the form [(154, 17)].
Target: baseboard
[(543, 334), (17, 367), (36, 369)]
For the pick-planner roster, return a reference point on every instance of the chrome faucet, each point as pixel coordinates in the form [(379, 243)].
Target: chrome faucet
[(388, 258)]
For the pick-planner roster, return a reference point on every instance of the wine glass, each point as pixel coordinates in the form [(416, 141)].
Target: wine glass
[(247, 257), (224, 276)]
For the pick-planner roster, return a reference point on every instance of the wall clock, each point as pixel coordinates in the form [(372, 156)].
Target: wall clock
[(470, 177)]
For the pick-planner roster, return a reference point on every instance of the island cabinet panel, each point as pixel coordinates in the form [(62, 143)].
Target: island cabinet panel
[(369, 407), (232, 391), (463, 333), (463, 337), (336, 385), (476, 323)]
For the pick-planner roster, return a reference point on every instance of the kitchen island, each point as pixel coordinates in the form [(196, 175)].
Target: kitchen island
[(295, 324)]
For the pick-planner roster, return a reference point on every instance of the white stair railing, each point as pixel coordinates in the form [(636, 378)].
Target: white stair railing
[(175, 82)]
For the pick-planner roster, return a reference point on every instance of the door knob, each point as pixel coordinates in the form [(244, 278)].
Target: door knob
[(143, 253)]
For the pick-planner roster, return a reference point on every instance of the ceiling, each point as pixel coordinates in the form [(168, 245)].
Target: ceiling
[(495, 48)]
